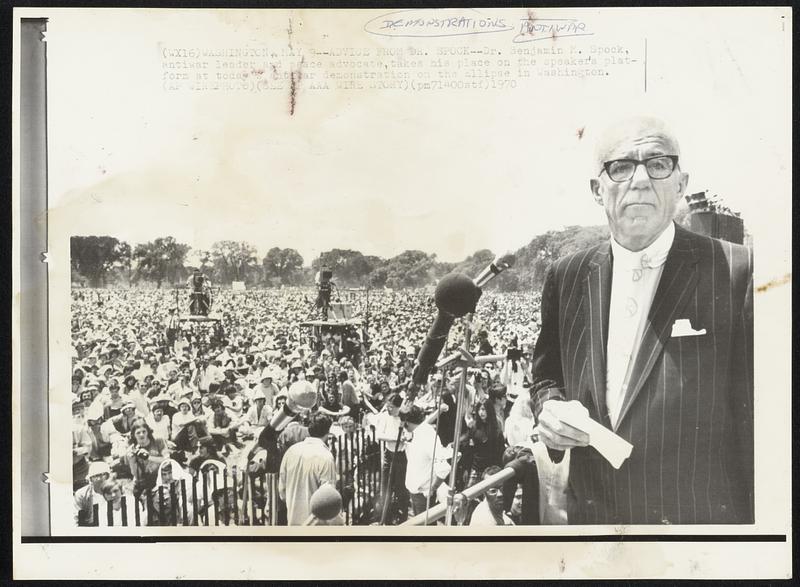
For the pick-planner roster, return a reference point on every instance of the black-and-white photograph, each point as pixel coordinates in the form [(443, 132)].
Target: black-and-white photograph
[(412, 273)]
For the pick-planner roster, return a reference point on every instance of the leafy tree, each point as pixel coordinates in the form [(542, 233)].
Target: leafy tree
[(534, 258), (160, 260), (349, 267), (442, 268), (234, 261), (475, 263), (409, 269), (283, 265), (94, 256)]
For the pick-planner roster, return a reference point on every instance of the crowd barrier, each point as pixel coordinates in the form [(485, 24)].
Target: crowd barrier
[(222, 496)]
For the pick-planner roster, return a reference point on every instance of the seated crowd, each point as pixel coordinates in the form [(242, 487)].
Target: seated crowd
[(153, 408)]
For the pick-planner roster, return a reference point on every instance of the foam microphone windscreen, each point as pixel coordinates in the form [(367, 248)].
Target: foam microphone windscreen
[(301, 397), (326, 502), (456, 294)]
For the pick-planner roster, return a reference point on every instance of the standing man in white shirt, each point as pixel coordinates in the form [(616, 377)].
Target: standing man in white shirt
[(305, 467), (387, 426), (427, 466)]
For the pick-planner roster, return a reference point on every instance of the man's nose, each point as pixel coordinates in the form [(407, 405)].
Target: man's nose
[(640, 177)]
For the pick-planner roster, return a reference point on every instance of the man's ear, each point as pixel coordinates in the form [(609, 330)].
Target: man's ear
[(684, 183), (594, 185)]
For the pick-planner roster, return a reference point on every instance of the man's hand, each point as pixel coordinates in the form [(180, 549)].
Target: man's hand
[(555, 433)]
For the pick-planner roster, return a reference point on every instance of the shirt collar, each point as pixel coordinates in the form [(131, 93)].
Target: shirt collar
[(652, 256), (314, 440)]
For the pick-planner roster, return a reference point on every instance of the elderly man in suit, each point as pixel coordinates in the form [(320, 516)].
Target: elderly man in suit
[(651, 333)]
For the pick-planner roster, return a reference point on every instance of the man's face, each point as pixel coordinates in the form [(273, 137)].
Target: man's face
[(113, 494), (494, 498), (98, 480), (640, 208), (516, 505)]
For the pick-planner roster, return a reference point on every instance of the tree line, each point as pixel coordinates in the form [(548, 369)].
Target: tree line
[(100, 261)]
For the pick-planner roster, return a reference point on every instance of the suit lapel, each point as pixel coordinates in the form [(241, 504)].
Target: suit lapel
[(678, 281), (597, 290)]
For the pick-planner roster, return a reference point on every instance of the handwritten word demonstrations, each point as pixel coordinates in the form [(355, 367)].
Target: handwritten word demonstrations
[(426, 65)]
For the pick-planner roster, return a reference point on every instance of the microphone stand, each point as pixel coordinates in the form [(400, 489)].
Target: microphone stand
[(388, 497), (462, 387)]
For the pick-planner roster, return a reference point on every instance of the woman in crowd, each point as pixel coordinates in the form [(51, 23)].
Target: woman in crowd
[(144, 456), (115, 401), (182, 417), (485, 439)]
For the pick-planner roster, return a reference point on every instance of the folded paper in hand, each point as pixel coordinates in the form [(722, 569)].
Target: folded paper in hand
[(683, 327), (614, 448)]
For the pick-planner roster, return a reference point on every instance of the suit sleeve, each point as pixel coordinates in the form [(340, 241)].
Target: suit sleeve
[(546, 365)]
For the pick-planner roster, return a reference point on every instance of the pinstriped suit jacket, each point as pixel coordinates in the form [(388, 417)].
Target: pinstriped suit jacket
[(689, 408)]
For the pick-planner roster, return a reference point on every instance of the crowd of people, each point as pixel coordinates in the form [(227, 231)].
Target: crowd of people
[(155, 400)]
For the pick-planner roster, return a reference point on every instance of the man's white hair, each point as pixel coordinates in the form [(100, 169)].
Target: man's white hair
[(632, 127)]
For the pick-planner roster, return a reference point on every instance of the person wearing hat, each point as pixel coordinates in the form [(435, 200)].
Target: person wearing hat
[(89, 494), (267, 384), (260, 413), (158, 420), (81, 444), (182, 417), (200, 411), (122, 422)]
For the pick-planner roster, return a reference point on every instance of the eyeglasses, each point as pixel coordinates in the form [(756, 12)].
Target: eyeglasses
[(494, 491), (658, 167)]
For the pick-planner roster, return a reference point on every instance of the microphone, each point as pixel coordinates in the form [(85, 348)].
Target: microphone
[(325, 505), (301, 398), (495, 268), (456, 295)]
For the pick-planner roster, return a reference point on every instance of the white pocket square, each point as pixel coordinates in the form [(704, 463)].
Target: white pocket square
[(683, 327)]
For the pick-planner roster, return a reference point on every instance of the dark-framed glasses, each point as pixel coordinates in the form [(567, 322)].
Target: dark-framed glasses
[(658, 167)]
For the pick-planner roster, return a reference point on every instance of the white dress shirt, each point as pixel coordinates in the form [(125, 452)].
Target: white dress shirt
[(634, 281), (305, 467), (420, 455), (482, 516), (386, 428)]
